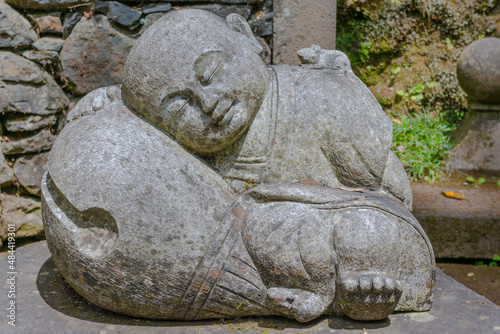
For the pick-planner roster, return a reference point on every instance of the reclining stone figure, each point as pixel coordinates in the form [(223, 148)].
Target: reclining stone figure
[(213, 186)]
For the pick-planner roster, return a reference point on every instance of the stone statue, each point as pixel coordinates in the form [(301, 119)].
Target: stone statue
[(213, 186)]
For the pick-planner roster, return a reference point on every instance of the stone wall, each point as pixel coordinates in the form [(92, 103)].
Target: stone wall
[(52, 52)]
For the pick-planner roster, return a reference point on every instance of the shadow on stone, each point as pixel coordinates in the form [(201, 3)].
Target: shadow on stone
[(60, 296), (346, 323)]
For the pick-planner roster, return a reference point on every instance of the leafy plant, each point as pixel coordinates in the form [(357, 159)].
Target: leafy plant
[(476, 183), (422, 144), (494, 263), (416, 93)]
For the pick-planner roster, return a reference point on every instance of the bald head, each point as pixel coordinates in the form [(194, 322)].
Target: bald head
[(198, 77), (169, 48)]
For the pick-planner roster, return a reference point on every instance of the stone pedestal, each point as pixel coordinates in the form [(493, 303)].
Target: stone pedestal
[(45, 303), (299, 24), (478, 138)]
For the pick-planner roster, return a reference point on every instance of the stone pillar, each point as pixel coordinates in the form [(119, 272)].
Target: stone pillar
[(478, 137), (299, 24)]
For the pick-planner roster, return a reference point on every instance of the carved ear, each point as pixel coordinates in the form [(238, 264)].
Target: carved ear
[(238, 23)]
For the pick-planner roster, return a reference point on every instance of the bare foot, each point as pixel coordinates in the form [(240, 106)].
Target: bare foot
[(367, 296), (300, 304)]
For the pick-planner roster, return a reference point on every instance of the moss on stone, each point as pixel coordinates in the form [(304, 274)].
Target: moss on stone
[(397, 46)]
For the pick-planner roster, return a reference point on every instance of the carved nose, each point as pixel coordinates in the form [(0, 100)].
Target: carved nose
[(207, 100)]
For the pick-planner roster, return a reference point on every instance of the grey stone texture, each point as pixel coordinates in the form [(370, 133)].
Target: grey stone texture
[(70, 20), (49, 44), (54, 307), (29, 171), (22, 212), (41, 57), (229, 2), (17, 123), (478, 139), (459, 229), (220, 10), (6, 172), (48, 4), (27, 89), (119, 13), (478, 70), (94, 54), (31, 143), (299, 24), (263, 26), (224, 10), (16, 31), (325, 228), (162, 8)]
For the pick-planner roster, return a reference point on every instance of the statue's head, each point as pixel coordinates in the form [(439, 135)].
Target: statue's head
[(198, 77)]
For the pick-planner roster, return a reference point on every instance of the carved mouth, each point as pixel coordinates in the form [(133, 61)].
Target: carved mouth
[(227, 118), (222, 114)]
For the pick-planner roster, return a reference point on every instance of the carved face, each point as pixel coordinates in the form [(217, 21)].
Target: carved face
[(198, 77), (216, 99)]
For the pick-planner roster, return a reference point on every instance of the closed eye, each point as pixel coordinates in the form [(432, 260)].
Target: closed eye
[(175, 105), (207, 65), (210, 77)]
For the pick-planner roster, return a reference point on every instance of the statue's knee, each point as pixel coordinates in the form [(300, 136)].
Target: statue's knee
[(366, 236)]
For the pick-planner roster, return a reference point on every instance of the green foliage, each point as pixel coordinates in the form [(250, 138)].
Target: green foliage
[(494, 263), (476, 183), (350, 41), (416, 93), (401, 45), (422, 143)]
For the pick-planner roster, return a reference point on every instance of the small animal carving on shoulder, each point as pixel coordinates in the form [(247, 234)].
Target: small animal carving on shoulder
[(317, 58)]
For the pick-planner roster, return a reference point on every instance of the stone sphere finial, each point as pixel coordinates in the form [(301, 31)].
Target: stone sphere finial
[(478, 70)]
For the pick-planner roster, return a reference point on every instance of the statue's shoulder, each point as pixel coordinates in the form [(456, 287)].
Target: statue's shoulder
[(95, 101)]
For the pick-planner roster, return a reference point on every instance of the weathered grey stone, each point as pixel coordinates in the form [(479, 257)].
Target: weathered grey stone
[(49, 44), (478, 139), (21, 123), (50, 23), (246, 2), (22, 212), (94, 54), (41, 57), (70, 20), (49, 4), (217, 9), (6, 172), (467, 229), (119, 13), (224, 10), (16, 69), (298, 24), (40, 100), (478, 70), (456, 310), (25, 88), (150, 19), (163, 8), (308, 239), (29, 171), (17, 144), (266, 51), (15, 30), (263, 26)]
